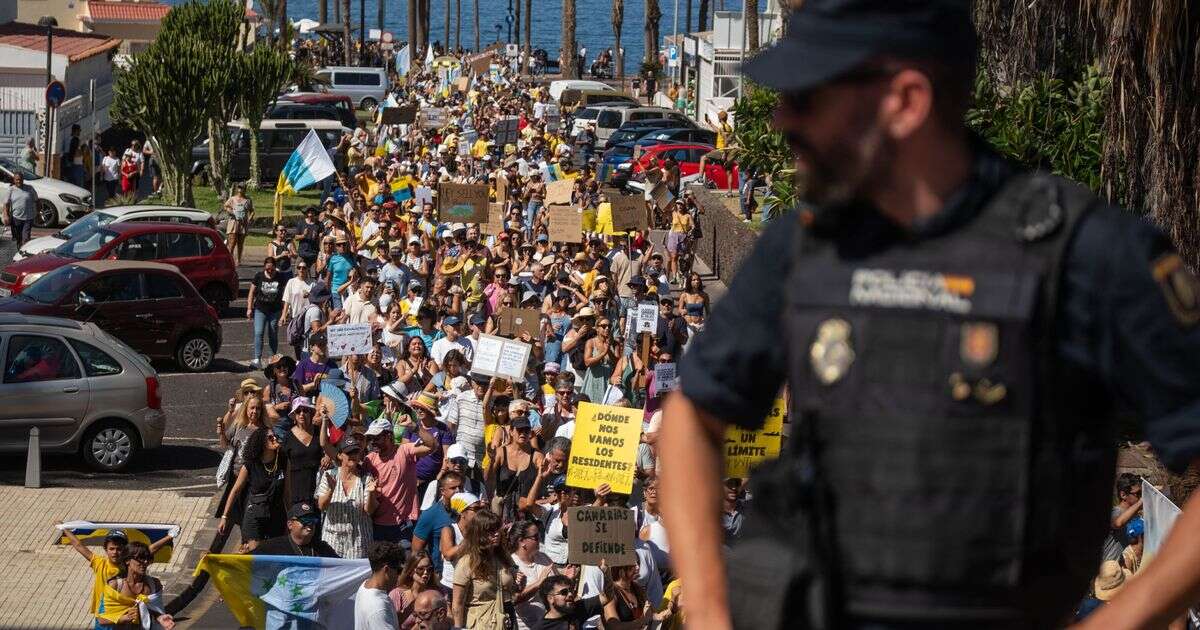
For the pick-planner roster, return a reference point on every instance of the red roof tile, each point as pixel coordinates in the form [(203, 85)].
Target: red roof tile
[(73, 44), (127, 11)]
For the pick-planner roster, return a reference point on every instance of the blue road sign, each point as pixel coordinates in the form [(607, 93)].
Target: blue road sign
[(56, 93)]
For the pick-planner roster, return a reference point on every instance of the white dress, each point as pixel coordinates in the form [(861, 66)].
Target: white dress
[(345, 526)]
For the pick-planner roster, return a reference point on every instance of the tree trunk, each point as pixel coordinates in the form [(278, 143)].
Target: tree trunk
[(618, 20), (702, 17), (218, 157), (570, 50), (412, 29), (284, 25), (346, 32), (516, 25), (477, 46), (337, 11), (653, 15), (323, 10), (426, 25), (446, 41), (457, 24), (750, 14), (528, 33), (381, 16)]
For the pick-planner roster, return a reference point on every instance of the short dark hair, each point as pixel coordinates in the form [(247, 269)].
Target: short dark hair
[(551, 584), (1126, 482), (385, 554), (449, 476), (564, 379)]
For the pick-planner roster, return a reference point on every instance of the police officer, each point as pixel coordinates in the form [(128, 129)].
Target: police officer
[(954, 332)]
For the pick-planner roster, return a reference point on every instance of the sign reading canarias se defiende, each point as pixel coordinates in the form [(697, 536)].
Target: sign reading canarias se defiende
[(604, 448)]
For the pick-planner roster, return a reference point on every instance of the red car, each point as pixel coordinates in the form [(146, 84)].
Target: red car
[(688, 157), (197, 251)]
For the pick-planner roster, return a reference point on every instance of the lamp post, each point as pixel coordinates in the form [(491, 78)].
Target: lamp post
[(498, 29), (50, 23)]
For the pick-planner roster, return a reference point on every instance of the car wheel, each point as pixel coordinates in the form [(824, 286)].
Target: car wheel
[(368, 103), (46, 216), (194, 353), (109, 445)]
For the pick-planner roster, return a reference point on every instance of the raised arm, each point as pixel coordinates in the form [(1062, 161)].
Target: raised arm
[(76, 543)]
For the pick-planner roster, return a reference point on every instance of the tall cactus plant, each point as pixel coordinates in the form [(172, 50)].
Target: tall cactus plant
[(265, 71)]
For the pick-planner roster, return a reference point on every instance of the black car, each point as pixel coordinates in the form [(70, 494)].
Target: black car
[(678, 134), (635, 130), (291, 110)]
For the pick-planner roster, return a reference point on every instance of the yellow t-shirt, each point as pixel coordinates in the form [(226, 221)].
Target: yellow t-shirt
[(104, 570), (724, 131), (604, 219), (479, 149)]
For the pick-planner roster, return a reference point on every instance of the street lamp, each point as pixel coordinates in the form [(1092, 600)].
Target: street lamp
[(50, 24), (498, 29)]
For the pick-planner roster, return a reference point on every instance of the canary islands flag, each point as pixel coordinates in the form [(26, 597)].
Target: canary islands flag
[(93, 534), (287, 591), (308, 165)]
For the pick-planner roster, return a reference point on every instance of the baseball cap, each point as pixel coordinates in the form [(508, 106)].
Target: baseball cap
[(379, 426), (304, 511), (477, 319), (301, 401), (521, 422), (827, 39), (116, 534), (396, 252), (456, 451), (349, 444), (452, 320)]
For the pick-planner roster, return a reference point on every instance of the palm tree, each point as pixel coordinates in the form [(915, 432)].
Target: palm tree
[(618, 19), (412, 32), (447, 40), (750, 15), (323, 10), (702, 18), (517, 24), (570, 50), (457, 24), (346, 31), (528, 32), (477, 48), (380, 16), (653, 15)]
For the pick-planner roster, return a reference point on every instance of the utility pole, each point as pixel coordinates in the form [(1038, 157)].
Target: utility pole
[(49, 22)]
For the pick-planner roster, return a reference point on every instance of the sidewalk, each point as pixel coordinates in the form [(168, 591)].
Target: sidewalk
[(47, 585)]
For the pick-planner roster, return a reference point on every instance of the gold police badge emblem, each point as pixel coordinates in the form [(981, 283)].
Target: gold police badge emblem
[(978, 343), (831, 354)]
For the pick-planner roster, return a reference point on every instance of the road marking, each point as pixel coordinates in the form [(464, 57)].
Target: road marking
[(188, 439), (191, 487)]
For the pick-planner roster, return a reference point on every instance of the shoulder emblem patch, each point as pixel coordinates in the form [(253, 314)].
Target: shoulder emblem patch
[(1180, 287)]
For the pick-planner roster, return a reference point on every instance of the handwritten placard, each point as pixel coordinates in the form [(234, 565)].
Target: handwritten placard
[(746, 449), (559, 192), (434, 118), (347, 339), (424, 194), (665, 378), (628, 212), (605, 447), (601, 534), (511, 322), (497, 356), (566, 224), (647, 318), (402, 115), (462, 203)]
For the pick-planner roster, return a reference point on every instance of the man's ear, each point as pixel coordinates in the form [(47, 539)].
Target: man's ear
[(907, 104)]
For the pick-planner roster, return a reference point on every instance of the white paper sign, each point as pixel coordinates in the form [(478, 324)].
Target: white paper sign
[(647, 318), (630, 322), (665, 378), (346, 339), (497, 356), (424, 194)]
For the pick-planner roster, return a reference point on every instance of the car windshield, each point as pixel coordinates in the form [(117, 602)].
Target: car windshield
[(52, 287), (86, 245), (86, 224), (621, 150), (13, 167), (587, 113)]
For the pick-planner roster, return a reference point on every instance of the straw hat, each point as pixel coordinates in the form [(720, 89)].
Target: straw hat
[(1110, 580), (451, 266), (426, 401), (584, 312), (249, 385)]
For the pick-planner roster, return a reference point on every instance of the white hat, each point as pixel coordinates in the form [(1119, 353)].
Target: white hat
[(379, 426), (392, 392), (458, 227), (456, 450)]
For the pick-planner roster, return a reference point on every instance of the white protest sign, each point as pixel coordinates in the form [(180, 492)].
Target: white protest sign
[(346, 339), (665, 378), (647, 318), (1159, 513), (424, 194), (497, 356)]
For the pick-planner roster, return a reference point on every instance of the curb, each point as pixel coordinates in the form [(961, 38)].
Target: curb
[(181, 587)]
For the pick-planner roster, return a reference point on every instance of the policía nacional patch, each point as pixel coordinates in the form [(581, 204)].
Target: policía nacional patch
[(978, 343), (831, 353), (1180, 287)]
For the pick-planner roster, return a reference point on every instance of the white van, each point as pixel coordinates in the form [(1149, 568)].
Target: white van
[(366, 87), (557, 87)]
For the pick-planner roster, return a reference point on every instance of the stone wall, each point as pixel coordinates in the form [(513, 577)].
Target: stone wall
[(726, 240)]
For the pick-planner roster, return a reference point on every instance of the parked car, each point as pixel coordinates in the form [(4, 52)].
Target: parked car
[(197, 251), (298, 110), (611, 118), (613, 159), (115, 214), (84, 390), (572, 99), (556, 87), (678, 134), (58, 202), (276, 141), (366, 87), (687, 155), (151, 307), (635, 130)]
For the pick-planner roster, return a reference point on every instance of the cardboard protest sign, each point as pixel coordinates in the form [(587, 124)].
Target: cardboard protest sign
[(746, 449), (505, 131), (566, 224), (402, 115), (661, 195), (345, 339), (601, 534), (665, 378), (462, 203), (559, 192), (480, 63), (512, 322), (424, 194), (497, 356), (434, 118), (628, 212), (605, 447), (647, 318), (462, 84), (495, 222)]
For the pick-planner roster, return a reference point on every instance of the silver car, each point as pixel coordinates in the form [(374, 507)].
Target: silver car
[(87, 392)]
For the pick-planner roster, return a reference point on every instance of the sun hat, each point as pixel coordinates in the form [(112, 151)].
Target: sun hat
[(463, 500), (301, 401), (584, 312), (379, 426), (249, 384), (1110, 580), (425, 400)]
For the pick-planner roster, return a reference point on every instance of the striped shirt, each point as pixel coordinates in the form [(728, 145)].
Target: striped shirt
[(347, 528), (468, 418)]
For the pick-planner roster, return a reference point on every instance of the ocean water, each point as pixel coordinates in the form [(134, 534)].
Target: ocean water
[(593, 26)]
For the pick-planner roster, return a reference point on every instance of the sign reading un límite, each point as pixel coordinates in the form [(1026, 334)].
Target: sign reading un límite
[(746, 449)]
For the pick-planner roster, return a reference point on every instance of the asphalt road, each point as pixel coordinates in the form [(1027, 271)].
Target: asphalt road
[(189, 456)]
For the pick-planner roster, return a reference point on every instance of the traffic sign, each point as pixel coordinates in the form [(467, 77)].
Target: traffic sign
[(56, 93), (387, 37)]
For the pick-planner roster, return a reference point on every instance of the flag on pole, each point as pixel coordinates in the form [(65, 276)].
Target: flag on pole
[(282, 591), (308, 165)]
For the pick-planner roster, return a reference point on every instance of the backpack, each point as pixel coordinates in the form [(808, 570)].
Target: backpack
[(295, 330)]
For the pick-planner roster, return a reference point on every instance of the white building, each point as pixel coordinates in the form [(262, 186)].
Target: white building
[(712, 58), (79, 60)]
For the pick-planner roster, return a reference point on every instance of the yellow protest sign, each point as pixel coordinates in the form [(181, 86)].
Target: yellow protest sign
[(746, 449), (604, 448)]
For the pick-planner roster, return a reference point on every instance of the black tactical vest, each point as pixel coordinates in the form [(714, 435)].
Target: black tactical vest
[(945, 467)]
